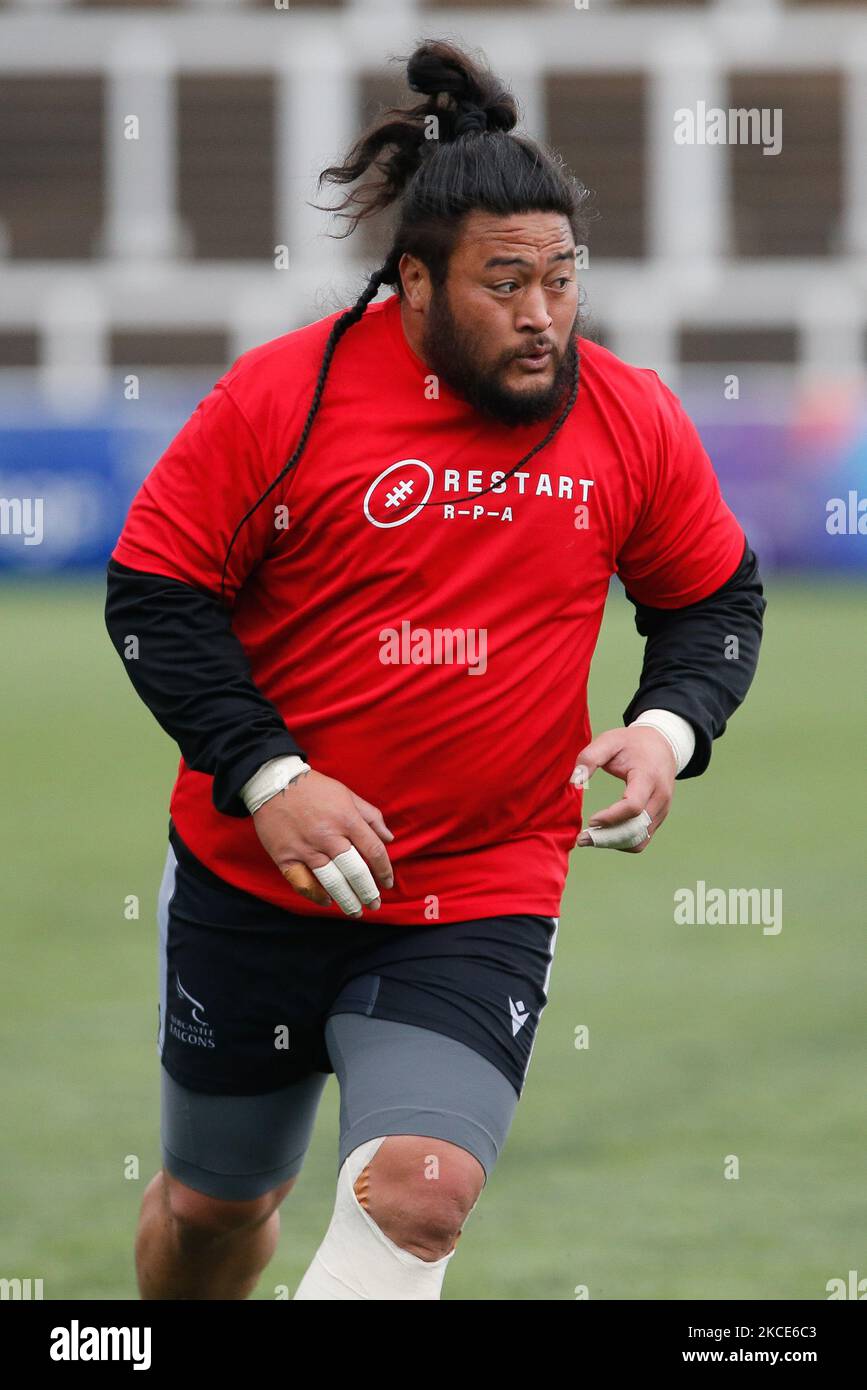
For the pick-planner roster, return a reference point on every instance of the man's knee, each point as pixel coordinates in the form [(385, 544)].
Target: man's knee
[(401, 1201), (198, 1216), (419, 1191)]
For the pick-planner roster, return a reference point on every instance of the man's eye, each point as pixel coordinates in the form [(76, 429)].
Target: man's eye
[(563, 280)]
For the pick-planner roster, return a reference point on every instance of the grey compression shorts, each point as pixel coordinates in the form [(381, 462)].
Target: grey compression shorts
[(394, 1079)]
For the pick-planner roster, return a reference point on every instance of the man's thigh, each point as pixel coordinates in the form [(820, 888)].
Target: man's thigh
[(243, 1060), (435, 1037), (237, 1147), (397, 1079)]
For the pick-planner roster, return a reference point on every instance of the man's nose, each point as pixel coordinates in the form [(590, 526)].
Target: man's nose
[(534, 312)]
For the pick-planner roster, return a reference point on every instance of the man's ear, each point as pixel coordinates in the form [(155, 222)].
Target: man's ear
[(416, 282)]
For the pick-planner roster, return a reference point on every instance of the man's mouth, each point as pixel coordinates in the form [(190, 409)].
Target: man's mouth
[(537, 357)]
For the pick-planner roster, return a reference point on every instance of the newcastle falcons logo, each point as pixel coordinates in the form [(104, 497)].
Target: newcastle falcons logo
[(182, 994)]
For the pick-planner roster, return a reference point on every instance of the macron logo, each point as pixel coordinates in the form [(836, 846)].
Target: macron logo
[(519, 1016)]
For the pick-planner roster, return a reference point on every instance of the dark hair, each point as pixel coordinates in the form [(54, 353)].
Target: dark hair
[(444, 157)]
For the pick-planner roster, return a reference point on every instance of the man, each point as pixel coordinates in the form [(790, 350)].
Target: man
[(374, 660)]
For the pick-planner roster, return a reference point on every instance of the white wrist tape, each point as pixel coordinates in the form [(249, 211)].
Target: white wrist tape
[(678, 731), (271, 778)]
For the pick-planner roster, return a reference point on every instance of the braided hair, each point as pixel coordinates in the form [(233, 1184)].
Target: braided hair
[(439, 160)]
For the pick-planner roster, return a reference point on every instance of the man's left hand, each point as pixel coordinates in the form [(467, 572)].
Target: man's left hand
[(644, 759)]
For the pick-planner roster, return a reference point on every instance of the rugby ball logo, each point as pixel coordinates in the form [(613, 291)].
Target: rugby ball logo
[(399, 493)]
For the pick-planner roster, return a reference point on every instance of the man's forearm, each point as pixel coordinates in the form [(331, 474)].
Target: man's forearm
[(191, 671), (699, 661)]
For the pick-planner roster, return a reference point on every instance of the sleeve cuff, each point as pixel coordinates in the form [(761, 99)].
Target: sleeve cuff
[(228, 782)]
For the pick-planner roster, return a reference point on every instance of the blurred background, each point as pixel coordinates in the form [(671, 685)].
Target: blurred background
[(157, 165)]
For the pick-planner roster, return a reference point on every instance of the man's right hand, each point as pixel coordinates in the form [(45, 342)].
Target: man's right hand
[(312, 822)]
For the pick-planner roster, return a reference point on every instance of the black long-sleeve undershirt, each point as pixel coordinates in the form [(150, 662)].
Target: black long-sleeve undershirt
[(191, 671), (691, 664)]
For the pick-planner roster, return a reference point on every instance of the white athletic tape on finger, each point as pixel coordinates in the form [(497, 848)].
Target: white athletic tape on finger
[(333, 882), (625, 836), (357, 874)]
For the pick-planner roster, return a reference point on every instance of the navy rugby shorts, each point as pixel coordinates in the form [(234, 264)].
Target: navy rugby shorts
[(430, 1029), (246, 988)]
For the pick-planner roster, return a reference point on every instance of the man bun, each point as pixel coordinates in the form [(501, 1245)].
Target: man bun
[(476, 100)]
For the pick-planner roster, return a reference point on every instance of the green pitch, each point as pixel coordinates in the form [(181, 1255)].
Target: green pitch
[(705, 1042)]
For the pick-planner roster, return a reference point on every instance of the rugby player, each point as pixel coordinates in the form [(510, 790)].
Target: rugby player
[(368, 852)]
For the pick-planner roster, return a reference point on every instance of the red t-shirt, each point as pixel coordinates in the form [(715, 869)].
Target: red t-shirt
[(434, 660)]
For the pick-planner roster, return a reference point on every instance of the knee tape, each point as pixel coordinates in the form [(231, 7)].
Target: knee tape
[(356, 1260)]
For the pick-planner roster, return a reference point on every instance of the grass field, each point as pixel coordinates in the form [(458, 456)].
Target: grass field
[(705, 1041)]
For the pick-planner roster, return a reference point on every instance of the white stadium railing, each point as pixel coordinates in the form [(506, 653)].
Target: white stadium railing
[(317, 57)]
